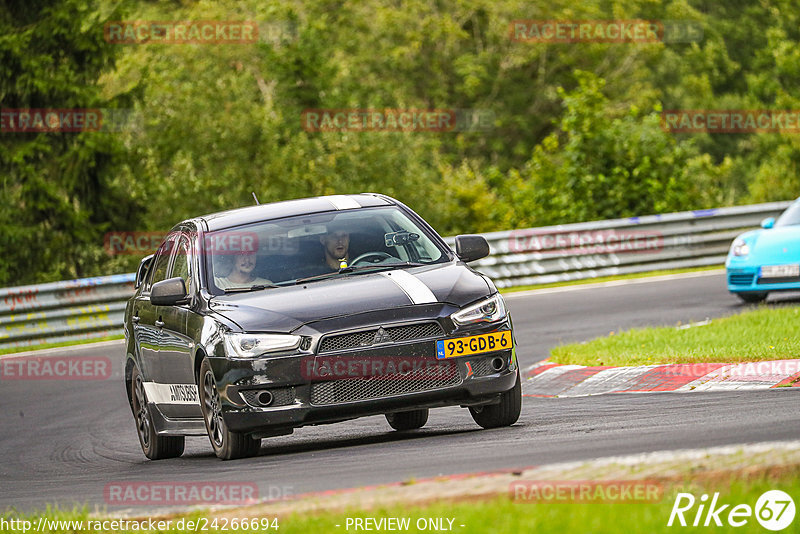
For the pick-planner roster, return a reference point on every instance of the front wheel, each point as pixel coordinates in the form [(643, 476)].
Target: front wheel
[(505, 413), (227, 445), (753, 297), (154, 446), (410, 420)]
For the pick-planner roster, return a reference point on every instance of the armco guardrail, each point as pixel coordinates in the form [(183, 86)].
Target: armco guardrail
[(618, 246), (94, 307), (63, 311)]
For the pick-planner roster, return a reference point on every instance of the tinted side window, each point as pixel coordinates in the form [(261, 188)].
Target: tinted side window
[(160, 263)]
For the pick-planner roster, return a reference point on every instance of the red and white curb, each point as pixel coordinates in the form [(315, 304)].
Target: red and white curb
[(554, 380)]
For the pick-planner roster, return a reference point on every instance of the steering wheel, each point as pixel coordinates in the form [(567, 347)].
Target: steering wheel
[(378, 257)]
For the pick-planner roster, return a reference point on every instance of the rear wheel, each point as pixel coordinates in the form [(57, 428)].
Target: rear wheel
[(753, 297), (409, 420), (154, 446), (227, 445), (505, 413)]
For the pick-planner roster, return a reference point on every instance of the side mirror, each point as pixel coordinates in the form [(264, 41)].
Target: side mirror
[(169, 292), (768, 223), (141, 272), (471, 247)]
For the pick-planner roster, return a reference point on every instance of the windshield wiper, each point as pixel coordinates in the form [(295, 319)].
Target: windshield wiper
[(256, 287), (359, 269), (392, 265)]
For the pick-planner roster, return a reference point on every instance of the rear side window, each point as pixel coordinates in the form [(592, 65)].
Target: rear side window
[(180, 267), (158, 269)]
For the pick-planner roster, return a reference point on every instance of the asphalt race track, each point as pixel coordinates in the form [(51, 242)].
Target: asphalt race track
[(63, 441)]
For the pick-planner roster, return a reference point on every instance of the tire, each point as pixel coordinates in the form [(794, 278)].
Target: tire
[(753, 297), (155, 447), (227, 445), (505, 413), (410, 420)]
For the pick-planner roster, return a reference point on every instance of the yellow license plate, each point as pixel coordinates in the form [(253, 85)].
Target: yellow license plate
[(465, 346)]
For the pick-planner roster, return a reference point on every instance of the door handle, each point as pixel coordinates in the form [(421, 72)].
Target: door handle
[(160, 323), (135, 318)]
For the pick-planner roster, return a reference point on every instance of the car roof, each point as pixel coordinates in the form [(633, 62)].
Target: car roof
[(290, 208)]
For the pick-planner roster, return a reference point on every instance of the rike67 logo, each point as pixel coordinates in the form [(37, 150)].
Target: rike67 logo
[(774, 510)]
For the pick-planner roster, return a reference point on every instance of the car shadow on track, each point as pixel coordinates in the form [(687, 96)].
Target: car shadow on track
[(774, 300), (309, 443)]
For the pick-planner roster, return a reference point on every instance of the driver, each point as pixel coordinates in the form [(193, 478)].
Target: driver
[(336, 244)]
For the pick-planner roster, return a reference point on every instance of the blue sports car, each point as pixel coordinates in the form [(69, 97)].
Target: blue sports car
[(767, 259)]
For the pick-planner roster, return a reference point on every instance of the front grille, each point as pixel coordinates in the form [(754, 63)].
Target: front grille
[(366, 338), (740, 279), (356, 389), (414, 331), (782, 280), (280, 396)]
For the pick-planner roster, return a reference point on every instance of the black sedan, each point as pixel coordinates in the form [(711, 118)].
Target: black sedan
[(250, 323)]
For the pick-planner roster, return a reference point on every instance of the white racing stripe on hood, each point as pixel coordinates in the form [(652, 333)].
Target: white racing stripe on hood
[(342, 202), (412, 286), (171, 393)]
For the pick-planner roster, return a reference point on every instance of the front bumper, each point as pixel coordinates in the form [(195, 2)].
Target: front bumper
[(745, 279), (474, 391), (410, 377)]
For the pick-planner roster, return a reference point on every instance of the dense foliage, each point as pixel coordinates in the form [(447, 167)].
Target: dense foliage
[(575, 130)]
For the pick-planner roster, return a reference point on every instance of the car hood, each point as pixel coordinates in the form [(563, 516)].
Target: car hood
[(775, 246), (285, 309)]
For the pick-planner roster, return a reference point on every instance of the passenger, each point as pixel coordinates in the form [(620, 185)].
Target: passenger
[(241, 274)]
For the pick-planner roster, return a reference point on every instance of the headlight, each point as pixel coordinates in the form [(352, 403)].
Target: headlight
[(486, 311), (740, 247), (252, 345)]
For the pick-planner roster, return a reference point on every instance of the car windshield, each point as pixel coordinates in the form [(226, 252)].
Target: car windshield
[(789, 217), (315, 247)]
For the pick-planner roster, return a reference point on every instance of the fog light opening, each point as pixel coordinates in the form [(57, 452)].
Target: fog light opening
[(498, 363)]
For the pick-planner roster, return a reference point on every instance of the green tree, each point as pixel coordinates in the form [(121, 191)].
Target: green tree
[(59, 193), (603, 165)]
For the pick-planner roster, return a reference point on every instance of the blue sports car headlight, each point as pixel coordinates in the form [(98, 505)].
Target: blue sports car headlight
[(740, 247)]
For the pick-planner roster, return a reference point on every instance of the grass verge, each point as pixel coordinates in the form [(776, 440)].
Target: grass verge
[(504, 513), (757, 335), (13, 350), (600, 279)]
